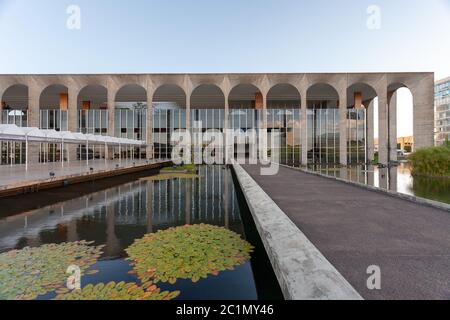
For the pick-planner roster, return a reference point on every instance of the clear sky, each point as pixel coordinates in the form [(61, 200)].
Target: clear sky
[(140, 36)]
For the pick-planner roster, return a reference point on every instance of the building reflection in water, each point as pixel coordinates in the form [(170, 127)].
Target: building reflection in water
[(117, 216)]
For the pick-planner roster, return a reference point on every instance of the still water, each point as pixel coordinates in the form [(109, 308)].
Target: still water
[(117, 215), (398, 179)]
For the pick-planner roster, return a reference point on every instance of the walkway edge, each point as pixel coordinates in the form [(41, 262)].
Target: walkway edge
[(302, 271), (395, 194)]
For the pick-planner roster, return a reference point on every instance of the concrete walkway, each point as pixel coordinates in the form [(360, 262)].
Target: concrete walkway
[(11, 176), (355, 228)]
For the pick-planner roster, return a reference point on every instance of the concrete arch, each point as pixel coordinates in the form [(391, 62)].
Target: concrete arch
[(322, 91), (15, 96), (283, 95), (368, 93), (131, 92), (246, 96), (207, 96), (170, 94), (51, 96), (95, 94)]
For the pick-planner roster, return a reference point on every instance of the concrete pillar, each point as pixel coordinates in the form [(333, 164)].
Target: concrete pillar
[(304, 128), (72, 118), (111, 117), (423, 112), (226, 125), (383, 126), (383, 176), (392, 116), (264, 108), (393, 175), (370, 131), (149, 138), (188, 112), (343, 126), (1, 107), (34, 95)]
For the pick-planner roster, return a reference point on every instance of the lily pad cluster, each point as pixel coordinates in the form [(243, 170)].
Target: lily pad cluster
[(28, 273), (187, 252), (117, 291)]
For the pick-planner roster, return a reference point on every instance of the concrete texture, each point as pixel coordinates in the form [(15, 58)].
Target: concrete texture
[(302, 271), (421, 85), (355, 228)]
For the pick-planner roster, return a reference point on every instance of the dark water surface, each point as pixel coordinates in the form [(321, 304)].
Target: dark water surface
[(115, 212)]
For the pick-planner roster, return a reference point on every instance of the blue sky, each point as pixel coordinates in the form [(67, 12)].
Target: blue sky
[(224, 36), (141, 36)]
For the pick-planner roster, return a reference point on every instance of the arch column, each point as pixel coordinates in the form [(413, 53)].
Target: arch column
[(423, 112), (72, 119), (392, 116), (304, 127), (188, 111), (34, 94), (111, 110), (370, 130), (2, 92), (383, 132), (343, 126), (149, 139)]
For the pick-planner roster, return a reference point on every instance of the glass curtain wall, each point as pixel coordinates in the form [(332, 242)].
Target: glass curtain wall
[(356, 133), (131, 123), (13, 152), (93, 122), (165, 122), (323, 133), (51, 119), (287, 122), (244, 120)]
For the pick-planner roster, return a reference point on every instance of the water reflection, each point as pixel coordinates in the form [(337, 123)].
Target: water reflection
[(396, 178), (117, 216)]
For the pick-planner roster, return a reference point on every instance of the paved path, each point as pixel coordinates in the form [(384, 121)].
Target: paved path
[(16, 175), (355, 228)]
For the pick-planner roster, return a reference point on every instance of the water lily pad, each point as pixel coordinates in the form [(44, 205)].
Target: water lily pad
[(25, 274), (119, 291), (187, 252)]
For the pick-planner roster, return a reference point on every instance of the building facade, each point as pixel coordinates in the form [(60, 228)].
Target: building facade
[(442, 105), (324, 118)]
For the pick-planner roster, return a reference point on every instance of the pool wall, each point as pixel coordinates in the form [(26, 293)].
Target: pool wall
[(302, 271)]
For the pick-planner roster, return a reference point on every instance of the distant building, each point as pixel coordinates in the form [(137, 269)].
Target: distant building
[(403, 143), (442, 110)]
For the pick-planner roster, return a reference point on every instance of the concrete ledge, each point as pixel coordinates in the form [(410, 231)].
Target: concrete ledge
[(62, 181), (418, 200), (302, 271)]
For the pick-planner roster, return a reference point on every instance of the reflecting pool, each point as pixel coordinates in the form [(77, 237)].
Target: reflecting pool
[(120, 214), (396, 178)]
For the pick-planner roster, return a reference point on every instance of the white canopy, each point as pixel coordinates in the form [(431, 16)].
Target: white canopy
[(11, 132)]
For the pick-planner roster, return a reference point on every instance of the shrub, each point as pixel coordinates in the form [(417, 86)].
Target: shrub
[(433, 162)]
